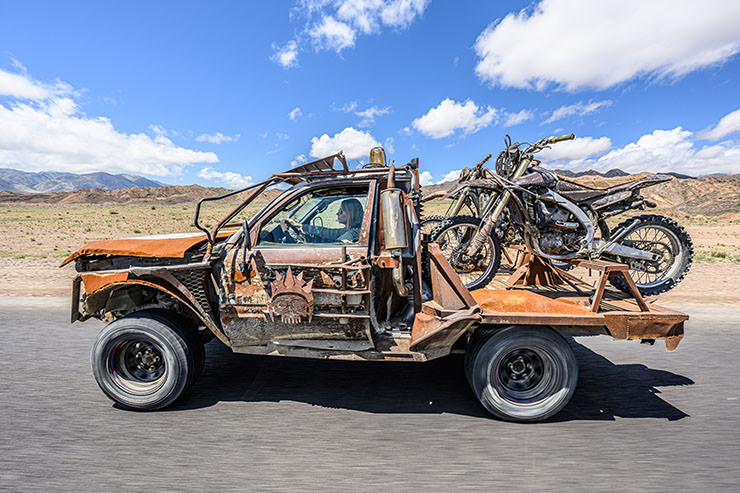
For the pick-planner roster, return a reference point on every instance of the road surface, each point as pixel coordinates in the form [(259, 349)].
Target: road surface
[(640, 419)]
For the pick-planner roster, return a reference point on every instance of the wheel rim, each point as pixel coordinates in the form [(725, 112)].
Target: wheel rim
[(524, 375), (655, 239), (453, 243), (137, 366)]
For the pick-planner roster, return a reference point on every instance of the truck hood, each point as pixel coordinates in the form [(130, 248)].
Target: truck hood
[(167, 246)]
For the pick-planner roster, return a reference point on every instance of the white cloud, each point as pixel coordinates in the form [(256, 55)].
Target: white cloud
[(369, 115), (233, 180), (511, 119), (729, 124), (217, 138), (664, 151), (354, 143), (22, 86), (425, 178), (453, 175), (336, 24), (347, 107), (158, 130), (573, 44), (389, 146), (450, 116), (577, 149), (287, 55), (332, 34), (401, 13), (299, 159), (41, 129), (295, 113), (579, 109)]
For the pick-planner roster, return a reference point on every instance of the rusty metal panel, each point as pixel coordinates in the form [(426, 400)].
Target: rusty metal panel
[(173, 246), (431, 332), (95, 281), (520, 306), (449, 291)]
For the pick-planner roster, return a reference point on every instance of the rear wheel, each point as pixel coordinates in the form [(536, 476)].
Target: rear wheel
[(453, 235), (145, 361), (668, 239), (521, 373)]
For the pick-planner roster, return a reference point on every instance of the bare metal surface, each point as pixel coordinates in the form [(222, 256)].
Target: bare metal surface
[(641, 419)]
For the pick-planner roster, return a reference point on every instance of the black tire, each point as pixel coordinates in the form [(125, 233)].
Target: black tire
[(475, 273), (428, 223), (681, 256), (521, 373), (144, 361)]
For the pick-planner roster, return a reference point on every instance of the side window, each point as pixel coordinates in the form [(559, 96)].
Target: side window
[(328, 215)]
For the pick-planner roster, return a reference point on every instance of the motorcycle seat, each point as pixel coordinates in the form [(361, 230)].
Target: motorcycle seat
[(580, 189), (596, 182)]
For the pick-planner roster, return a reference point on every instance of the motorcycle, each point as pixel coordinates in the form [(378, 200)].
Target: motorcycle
[(560, 219)]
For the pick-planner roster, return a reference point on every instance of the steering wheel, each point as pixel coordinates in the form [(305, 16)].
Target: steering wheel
[(298, 232)]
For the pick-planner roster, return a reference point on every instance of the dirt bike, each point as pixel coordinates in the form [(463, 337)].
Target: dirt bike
[(560, 219)]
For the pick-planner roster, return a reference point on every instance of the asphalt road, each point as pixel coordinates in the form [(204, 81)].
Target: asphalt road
[(640, 419)]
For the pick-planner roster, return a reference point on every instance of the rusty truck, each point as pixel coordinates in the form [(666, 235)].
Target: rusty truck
[(336, 267)]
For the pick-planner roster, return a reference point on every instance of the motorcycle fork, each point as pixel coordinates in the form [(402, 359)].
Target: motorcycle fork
[(489, 221), (457, 205)]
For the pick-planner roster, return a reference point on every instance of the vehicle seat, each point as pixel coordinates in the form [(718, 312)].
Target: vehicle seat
[(596, 182)]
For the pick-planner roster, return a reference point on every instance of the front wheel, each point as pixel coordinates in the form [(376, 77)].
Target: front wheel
[(666, 238), (428, 223), (521, 373), (144, 361), (453, 235)]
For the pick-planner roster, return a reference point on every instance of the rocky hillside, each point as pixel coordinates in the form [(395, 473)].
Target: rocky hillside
[(174, 194), (705, 195), (13, 180)]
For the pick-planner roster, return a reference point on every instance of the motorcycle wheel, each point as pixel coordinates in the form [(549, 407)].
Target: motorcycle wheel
[(664, 236), (428, 223), (453, 235)]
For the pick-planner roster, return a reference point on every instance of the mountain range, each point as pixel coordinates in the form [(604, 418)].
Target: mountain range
[(13, 180)]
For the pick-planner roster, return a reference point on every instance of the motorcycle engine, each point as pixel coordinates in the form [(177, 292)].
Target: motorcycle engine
[(560, 232)]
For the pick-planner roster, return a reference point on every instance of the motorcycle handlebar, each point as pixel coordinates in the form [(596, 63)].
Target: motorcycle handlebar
[(483, 162), (553, 140)]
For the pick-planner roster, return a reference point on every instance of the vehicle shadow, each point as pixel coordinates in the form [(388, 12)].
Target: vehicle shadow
[(604, 390)]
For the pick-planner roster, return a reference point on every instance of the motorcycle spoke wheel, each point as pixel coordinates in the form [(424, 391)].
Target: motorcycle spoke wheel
[(453, 237), (666, 238)]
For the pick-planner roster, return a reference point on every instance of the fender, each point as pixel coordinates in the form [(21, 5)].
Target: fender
[(99, 285)]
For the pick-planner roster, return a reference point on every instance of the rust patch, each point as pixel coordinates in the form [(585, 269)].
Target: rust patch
[(521, 301), (431, 332), (94, 282), (143, 247)]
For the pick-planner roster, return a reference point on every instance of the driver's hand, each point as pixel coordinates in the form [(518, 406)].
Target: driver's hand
[(284, 224)]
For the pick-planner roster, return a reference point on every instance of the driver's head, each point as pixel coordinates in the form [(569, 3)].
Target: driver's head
[(350, 213)]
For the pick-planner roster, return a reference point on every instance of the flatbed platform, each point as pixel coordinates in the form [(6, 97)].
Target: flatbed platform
[(564, 306)]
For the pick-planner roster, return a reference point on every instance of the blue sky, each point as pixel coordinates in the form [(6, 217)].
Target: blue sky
[(226, 93)]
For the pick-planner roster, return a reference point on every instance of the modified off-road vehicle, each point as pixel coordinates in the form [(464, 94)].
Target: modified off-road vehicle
[(336, 267)]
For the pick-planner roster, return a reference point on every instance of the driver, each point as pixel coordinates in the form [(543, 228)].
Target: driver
[(349, 214)]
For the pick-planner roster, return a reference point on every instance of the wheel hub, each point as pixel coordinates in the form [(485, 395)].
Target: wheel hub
[(521, 370)]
